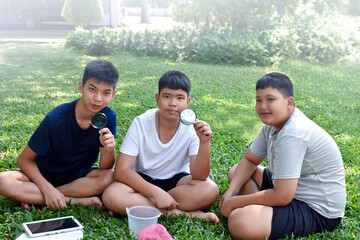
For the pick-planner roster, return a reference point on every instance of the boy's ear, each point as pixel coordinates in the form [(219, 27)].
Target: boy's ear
[(114, 93), (290, 101), (81, 87), (157, 96), (188, 101)]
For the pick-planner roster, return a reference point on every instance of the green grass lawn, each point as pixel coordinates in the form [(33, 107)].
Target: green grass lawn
[(36, 78)]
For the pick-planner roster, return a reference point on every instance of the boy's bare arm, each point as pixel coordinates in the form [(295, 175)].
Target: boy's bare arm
[(281, 195), (124, 173), (200, 163), (53, 198), (243, 172), (107, 153)]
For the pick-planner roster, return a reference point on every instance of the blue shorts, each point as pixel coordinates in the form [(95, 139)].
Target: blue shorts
[(296, 218), (165, 184), (59, 180)]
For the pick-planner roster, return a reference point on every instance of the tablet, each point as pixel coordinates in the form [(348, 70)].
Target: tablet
[(51, 226)]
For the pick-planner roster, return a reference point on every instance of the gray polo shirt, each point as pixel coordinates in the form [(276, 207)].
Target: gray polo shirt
[(305, 151)]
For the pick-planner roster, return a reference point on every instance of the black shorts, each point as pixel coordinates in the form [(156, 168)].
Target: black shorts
[(165, 184), (59, 180), (296, 218)]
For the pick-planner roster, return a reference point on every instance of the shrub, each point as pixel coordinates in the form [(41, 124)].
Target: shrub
[(83, 12), (211, 46), (319, 41)]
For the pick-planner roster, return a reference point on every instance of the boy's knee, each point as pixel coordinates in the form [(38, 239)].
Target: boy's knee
[(6, 179), (107, 195), (237, 223), (3, 181), (231, 173), (7, 182), (250, 223), (106, 178), (213, 191), (112, 198), (210, 193)]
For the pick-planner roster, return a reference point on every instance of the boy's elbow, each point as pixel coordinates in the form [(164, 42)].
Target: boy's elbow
[(199, 176), (283, 200), (20, 162)]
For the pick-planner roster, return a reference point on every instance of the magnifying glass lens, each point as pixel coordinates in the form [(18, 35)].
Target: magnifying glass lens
[(188, 116), (99, 120)]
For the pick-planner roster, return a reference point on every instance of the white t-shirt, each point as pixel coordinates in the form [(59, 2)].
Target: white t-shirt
[(305, 151), (155, 159)]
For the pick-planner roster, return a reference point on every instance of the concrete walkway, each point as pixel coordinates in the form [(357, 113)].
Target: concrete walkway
[(40, 35)]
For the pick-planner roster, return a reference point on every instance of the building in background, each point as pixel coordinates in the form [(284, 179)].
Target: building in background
[(10, 9)]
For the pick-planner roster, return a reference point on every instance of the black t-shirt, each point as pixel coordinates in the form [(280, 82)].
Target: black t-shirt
[(63, 147)]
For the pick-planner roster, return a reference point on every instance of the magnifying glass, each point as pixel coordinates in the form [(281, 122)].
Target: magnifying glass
[(99, 120), (188, 116)]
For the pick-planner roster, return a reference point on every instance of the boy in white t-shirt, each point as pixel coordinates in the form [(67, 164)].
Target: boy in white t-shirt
[(151, 168), (303, 190)]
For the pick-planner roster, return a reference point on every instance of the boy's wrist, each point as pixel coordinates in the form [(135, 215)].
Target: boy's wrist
[(109, 149)]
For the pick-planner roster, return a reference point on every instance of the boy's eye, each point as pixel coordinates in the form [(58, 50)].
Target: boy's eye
[(270, 99), (258, 100), (92, 89)]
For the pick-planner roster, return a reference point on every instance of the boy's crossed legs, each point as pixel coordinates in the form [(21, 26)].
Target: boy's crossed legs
[(83, 191), (258, 221), (192, 196), (253, 221)]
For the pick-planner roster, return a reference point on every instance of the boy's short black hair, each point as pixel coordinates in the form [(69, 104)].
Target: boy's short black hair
[(102, 71), (175, 80), (276, 80)]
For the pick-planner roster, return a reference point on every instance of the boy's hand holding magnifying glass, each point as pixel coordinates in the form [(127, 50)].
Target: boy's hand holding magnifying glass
[(99, 121), (188, 116)]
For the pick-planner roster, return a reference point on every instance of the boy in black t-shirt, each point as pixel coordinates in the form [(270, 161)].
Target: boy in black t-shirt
[(56, 164)]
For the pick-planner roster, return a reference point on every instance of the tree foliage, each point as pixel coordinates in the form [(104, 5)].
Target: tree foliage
[(83, 12), (246, 14)]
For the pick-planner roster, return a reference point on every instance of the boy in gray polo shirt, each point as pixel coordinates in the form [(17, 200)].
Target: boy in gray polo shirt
[(303, 190)]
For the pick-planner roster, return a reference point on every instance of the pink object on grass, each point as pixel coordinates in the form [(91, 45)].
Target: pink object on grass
[(154, 232)]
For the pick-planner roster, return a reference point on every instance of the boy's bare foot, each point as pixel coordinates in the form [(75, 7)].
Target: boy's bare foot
[(88, 201), (115, 214), (206, 216), (25, 206)]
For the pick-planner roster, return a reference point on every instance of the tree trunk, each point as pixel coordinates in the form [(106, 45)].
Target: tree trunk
[(145, 11)]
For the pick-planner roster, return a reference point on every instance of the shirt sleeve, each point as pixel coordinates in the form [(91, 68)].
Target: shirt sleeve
[(288, 157), (259, 145), (40, 140), (131, 144), (112, 123), (195, 142)]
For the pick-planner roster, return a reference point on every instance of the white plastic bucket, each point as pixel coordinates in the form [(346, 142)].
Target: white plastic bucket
[(140, 217)]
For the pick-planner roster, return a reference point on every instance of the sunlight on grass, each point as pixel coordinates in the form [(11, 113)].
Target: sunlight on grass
[(36, 78), (128, 104)]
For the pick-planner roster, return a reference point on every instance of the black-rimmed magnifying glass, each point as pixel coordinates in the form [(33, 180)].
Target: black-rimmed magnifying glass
[(188, 116), (99, 120)]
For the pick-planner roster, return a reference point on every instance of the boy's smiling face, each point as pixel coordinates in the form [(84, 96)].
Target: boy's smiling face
[(171, 102), (96, 95), (273, 108)]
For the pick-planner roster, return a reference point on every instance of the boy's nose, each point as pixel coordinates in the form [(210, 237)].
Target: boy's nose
[(263, 105), (97, 97), (172, 102)]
